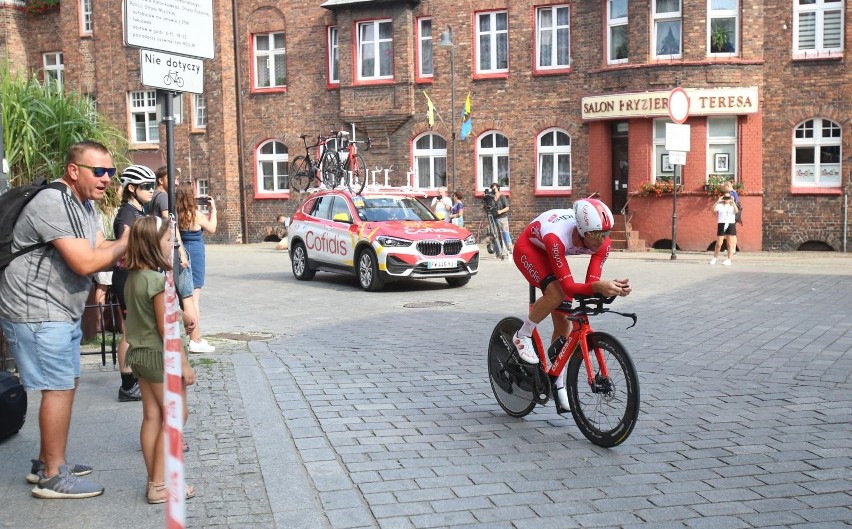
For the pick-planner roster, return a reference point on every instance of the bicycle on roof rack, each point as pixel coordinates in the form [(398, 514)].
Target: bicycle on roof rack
[(320, 170), (601, 381), (352, 170)]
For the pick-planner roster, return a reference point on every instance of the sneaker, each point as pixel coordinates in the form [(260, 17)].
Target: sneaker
[(67, 485), (37, 471), (201, 347), (713, 261), (127, 395), (525, 348), (562, 404), (726, 262)]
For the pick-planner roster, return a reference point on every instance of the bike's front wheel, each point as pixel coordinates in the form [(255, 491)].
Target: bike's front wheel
[(300, 173), (606, 410), (356, 178), (330, 169), (512, 381)]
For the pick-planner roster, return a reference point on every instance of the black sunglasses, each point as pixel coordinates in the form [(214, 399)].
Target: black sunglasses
[(146, 186), (99, 171)]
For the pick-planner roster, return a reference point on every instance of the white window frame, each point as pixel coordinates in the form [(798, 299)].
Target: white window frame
[(496, 155), (434, 157), (86, 23), (143, 104), (425, 42), (270, 55), (54, 68), (818, 170), (723, 14), (554, 153), (667, 17), (550, 36), (492, 38), (615, 24), (722, 143), (279, 160), (199, 111), (375, 46), (818, 10), (659, 135), (333, 55)]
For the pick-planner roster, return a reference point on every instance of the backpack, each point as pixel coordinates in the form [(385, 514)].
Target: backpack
[(739, 216), (12, 203)]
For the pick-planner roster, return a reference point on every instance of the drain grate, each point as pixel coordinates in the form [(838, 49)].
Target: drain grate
[(427, 304)]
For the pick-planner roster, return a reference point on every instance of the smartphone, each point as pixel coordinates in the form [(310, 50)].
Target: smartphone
[(203, 201)]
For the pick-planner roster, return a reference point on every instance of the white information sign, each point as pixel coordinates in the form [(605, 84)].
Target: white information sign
[(677, 157), (677, 137), (172, 72), (174, 26)]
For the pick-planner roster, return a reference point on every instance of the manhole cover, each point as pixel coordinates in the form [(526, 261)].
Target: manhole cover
[(427, 304)]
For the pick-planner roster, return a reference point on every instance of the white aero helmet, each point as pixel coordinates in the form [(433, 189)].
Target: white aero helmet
[(592, 215), (138, 174)]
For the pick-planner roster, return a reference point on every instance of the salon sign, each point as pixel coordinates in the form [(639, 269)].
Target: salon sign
[(702, 102)]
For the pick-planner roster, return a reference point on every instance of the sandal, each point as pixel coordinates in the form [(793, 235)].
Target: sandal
[(157, 492)]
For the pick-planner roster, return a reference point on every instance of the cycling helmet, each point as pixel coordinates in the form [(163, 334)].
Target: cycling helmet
[(592, 215), (138, 174)]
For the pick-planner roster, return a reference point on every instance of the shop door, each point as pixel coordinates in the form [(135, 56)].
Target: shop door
[(619, 166)]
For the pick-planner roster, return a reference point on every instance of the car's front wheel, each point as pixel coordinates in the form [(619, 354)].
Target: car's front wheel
[(299, 260), (368, 271), (458, 281)]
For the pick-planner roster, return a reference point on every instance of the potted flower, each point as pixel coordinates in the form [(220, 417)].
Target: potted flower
[(716, 181), (38, 7), (720, 39), (657, 188)]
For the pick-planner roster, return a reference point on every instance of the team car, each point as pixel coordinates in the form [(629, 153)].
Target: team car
[(379, 237)]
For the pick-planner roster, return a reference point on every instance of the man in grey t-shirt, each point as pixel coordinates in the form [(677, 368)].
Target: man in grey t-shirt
[(42, 297)]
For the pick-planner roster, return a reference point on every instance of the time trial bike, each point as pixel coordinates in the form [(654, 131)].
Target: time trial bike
[(352, 170), (317, 171), (600, 378)]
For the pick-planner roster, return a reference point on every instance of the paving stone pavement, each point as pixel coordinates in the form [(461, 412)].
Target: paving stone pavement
[(330, 408)]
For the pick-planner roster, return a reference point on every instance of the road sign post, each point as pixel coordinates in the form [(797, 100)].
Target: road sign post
[(677, 143)]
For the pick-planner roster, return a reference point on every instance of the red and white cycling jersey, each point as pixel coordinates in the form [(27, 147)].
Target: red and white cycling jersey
[(543, 246)]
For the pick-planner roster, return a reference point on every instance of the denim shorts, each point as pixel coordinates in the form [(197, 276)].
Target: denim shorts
[(183, 282), (47, 353)]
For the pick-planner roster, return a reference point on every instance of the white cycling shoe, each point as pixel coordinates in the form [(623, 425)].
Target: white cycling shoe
[(524, 345)]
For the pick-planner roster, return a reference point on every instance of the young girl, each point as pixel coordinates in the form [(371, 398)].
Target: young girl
[(144, 292)]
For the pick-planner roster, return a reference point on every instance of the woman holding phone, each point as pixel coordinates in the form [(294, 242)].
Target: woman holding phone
[(726, 227)]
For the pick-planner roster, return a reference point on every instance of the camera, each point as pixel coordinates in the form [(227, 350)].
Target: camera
[(490, 203), (203, 200), (726, 197)]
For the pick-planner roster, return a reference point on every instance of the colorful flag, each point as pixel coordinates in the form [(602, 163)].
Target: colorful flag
[(467, 121), (430, 110)]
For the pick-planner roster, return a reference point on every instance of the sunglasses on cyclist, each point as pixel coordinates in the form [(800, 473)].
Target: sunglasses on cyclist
[(99, 171), (597, 235), (146, 187)]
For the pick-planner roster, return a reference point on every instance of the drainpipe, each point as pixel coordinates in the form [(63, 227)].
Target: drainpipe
[(845, 215), (239, 82)]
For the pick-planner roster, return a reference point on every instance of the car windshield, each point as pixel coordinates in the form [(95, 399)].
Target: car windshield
[(382, 209)]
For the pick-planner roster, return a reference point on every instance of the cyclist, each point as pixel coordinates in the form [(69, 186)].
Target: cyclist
[(540, 254)]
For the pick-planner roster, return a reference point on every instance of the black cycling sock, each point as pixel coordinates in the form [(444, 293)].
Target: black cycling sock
[(127, 380)]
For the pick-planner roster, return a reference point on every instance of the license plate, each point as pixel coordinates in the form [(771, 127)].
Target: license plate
[(441, 263)]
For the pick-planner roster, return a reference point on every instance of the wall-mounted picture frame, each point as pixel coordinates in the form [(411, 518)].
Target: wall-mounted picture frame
[(721, 162), (665, 165)]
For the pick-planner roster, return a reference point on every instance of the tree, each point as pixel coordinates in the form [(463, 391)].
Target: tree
[(40, 123)]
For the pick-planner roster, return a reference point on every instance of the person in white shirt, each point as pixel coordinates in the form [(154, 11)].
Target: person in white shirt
[(726, 228), (441, 205)]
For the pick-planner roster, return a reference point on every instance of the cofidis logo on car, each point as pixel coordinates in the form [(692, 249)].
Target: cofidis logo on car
[(325, 244)]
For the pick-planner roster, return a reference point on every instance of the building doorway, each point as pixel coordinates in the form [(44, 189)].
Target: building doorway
[(619, 165)]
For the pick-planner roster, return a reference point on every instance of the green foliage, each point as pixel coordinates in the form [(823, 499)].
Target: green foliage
[(41, 6), (659, 188), (40, 123), (716, 181), (720, 39)]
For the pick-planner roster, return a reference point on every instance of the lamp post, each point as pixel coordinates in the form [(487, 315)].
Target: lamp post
[(447, 42)]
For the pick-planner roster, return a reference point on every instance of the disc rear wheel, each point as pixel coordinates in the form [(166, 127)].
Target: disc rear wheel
[(607, 409), (512, 381)]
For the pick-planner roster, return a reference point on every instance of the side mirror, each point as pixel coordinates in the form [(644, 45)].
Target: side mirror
[(342, 217)]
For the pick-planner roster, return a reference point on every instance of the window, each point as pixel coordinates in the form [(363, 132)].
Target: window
[(86, 24), (430, 160), (202, 187), (816, 154), (554, 160), (272, 167), (54, 69), (661, 168), (333, 56), (424, 48), (269, 65), (667, 29), (492, 38), (493, 159), (553, 30), (722, 31), (818, 26), (618, 37), (375, 50), (722, 147), (143, 117), (199, 111)]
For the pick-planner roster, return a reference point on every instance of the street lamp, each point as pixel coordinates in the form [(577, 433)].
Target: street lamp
[(447, 42)]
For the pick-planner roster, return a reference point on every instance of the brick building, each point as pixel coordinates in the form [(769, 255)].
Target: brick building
[(567, 99)]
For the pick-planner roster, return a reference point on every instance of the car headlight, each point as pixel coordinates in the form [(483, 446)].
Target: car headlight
[(470, 240), (393, 241)]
